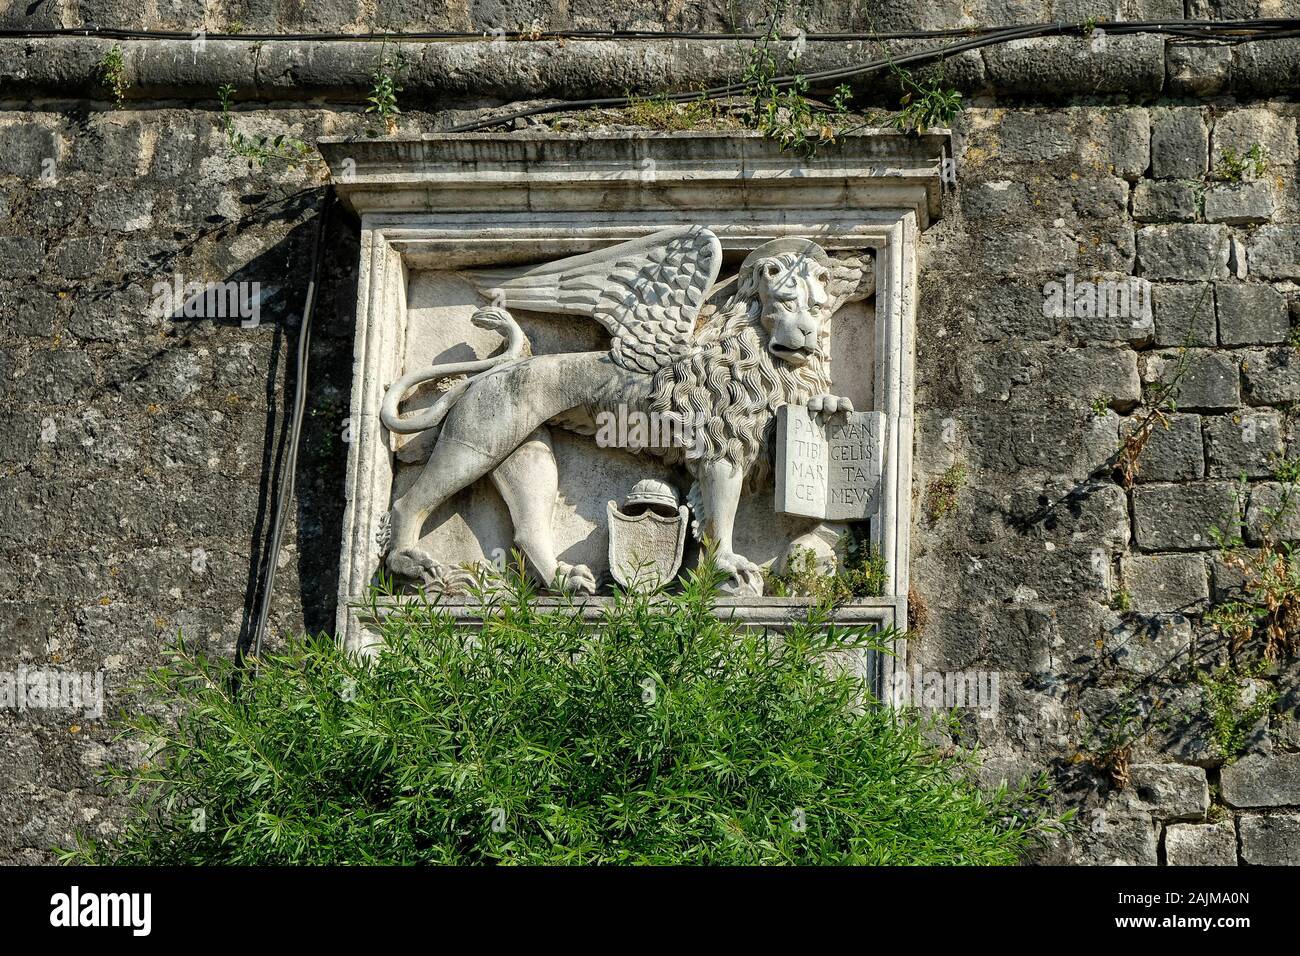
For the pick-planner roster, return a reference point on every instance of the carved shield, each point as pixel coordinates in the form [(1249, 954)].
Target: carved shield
[(645, 548)]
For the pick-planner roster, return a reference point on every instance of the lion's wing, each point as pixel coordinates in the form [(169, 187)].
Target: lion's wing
[(646, 293)]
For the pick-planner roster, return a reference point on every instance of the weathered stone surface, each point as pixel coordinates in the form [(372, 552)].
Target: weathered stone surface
[(1173, 791), (1204, 379), (996, 200), (1152, 642), (1238, 259), (1176, 453), (1182, 729), (1201, 844), (26, 148), (1180, 144), (1227, 578), (1183, 251), (1184, 314), (1166, 582), (1006, 309), (1275, 251), (1043, 441), (1265, 68), (1164, 202), (1272, 840), (1179, 517), (1251, 314), (1262, 780), (1244, 443), (1056, 63), (1271, 376), (1061, 513), (1239, 203), (1089, 198), (20, 256), (1091, 373), (1286, 725), (1106, 309), (1196, 69), (1121, 832), (32, 312)]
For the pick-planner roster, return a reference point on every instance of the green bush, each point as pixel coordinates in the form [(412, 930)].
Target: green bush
[(657, 735)]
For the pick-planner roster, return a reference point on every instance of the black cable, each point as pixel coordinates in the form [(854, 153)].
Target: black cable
[(295, 433), (779, 82), (1201, 28), (112, 33), (1260, 29)]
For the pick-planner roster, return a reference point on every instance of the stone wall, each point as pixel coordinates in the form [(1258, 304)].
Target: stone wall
[(137, 452), (1049, 567)]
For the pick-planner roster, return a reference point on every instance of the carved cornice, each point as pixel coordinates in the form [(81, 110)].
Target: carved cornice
[(565, 172)]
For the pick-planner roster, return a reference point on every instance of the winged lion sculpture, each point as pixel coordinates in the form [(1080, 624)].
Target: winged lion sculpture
[(721, 357)]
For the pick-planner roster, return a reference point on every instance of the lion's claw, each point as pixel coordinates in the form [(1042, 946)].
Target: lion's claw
[(574, 579), (746, 576), (418, 565)]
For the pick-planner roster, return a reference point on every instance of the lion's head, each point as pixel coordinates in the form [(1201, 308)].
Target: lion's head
[(793, 288)]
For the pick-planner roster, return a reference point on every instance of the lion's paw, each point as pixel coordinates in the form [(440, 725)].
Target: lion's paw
[(416, 564), (574, 579), (746, 577), (829, 404)]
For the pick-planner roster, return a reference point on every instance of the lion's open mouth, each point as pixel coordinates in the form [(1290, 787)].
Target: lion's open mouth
[(785, 353)]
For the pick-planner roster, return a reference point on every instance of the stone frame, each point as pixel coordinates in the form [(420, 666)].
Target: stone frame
[(460, 200)]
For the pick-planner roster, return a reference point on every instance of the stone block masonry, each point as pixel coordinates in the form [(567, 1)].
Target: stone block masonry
[(136, 447), (1218, 360)]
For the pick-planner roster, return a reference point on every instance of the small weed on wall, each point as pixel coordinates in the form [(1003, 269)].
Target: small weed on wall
[(941, 494)]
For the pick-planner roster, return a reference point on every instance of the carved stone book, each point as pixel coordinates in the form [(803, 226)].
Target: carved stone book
[(828, 466)]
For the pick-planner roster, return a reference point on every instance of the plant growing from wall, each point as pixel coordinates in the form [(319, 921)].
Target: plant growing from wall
[(860, 574), (1233, 718), (1237, 167), (1267, 605), (1109, 747), (926, 103), (260, 151), (659, 734), (941, 494), (1162, 395), (112, 75), (786, 115), (384, 89), (661, 113)]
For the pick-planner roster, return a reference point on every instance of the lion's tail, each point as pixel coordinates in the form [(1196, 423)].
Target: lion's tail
[(427, 418)]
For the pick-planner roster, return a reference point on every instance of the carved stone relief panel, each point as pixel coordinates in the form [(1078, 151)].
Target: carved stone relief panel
[(606, 354)]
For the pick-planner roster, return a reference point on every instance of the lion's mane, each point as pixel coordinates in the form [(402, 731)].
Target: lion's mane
[(729, 388)]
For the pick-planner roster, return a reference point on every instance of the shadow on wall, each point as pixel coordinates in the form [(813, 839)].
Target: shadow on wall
[(270, 290)]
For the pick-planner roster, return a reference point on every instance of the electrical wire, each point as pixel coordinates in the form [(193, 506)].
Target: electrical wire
[(295, 434), (1275, 28), (1259, 29), (1200, 28)]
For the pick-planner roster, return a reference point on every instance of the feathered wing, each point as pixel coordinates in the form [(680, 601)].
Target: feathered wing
[(852, 278), (646, 292)]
